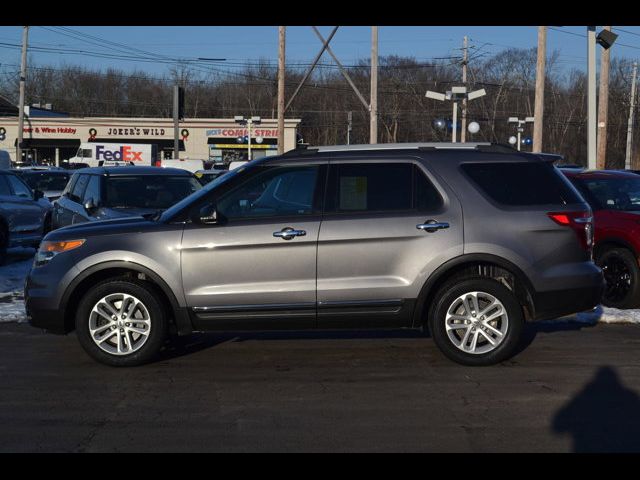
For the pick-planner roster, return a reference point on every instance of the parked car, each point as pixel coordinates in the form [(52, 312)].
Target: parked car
[(102, 193), (49, 180), (467, 240), (206, 176), (614, 197), (25, 216)]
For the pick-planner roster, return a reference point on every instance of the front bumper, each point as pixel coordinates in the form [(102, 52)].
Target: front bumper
[(43, 291)]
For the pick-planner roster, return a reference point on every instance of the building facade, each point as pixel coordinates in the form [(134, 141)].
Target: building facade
[(53, 140)]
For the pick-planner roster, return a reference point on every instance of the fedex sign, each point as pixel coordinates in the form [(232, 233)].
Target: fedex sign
[(123, 154)]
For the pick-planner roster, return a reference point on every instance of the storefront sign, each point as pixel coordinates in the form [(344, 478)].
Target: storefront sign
[(236, 145), (241, 132), (70, 130), (134, 132)]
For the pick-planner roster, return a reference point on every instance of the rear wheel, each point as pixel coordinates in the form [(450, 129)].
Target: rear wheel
[(120, 322), (622, 277), (477, 321)]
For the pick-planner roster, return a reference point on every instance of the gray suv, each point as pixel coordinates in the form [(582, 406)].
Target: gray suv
[(467, 240)]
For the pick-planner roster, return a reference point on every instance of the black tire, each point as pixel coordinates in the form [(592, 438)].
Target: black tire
[(445, 298), (4, 243), (622, 275), (158, 322)]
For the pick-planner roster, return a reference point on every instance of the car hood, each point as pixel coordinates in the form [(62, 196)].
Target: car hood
[(124, 225)]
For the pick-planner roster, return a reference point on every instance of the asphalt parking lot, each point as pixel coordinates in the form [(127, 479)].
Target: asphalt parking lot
[(573, 388)]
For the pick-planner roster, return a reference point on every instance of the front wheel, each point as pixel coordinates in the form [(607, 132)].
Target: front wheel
[(476, 321), (120, 322)]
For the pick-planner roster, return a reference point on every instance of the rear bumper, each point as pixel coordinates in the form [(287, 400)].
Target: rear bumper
[(554, 304)]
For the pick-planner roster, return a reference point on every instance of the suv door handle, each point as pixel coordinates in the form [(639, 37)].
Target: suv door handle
[(288, 233), (431, 226)]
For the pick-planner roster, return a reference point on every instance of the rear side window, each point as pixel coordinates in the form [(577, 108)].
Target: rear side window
[(380, 187), (522, 183)]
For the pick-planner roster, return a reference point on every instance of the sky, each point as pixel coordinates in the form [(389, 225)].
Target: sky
[(159, 46)]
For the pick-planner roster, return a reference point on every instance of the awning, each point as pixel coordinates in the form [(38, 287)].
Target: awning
[(49, 143)]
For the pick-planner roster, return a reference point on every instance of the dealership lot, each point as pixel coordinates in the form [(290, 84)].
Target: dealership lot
[(574, 388)]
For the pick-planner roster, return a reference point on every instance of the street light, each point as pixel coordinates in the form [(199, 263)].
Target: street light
[(456, 94), (248, 122), (606, 39), (520, 123)]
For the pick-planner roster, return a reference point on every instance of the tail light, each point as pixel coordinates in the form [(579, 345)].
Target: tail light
[(581, 223)]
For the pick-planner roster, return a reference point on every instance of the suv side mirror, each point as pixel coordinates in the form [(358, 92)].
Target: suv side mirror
[(38, 194), (90, 205), (206, 215)]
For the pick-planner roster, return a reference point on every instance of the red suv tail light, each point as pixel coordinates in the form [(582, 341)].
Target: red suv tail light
[(581, 223)]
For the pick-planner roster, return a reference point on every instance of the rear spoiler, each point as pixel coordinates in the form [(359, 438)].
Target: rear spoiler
[(550, 157)]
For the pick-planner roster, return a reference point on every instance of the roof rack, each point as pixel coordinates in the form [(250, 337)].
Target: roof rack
[(481, 146)]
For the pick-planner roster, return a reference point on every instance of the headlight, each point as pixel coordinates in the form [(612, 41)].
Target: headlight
[(48, 250)]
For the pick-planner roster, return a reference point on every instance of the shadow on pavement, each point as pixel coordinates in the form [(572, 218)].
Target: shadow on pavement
[(603, 417), (180, 346)]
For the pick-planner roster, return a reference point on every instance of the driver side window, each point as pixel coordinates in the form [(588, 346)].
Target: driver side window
[(272, 192)]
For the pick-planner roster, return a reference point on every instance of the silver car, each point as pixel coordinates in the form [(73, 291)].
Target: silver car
[(25, 215), (466, 240)]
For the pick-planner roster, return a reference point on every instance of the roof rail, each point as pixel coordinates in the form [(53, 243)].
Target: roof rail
[(401, 146), (479, 146)]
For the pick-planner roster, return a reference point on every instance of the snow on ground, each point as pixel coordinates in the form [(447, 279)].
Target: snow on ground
[(19, 261), (12, 276)]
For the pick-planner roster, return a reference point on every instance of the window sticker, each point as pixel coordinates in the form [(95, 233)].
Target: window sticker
[(353, 193)]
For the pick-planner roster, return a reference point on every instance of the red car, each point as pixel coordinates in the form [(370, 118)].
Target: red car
[(614, 197)]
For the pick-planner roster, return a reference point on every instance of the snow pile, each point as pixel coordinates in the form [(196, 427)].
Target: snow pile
[(12, 276)]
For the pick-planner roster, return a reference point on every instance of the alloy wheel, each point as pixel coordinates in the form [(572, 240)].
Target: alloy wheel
[(119, 324), (476, 322), (617, 277)]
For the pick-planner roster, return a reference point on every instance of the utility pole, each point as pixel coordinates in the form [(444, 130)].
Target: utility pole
[(23, 79), (538, 113), (349, 126), (603, 104), (591, 97), (176, 122), (627, 162), (465, 58), (373, 135), (281, 72)]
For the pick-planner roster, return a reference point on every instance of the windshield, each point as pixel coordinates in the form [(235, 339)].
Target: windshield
[(47, 181), (613, 193), (148, 191)]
